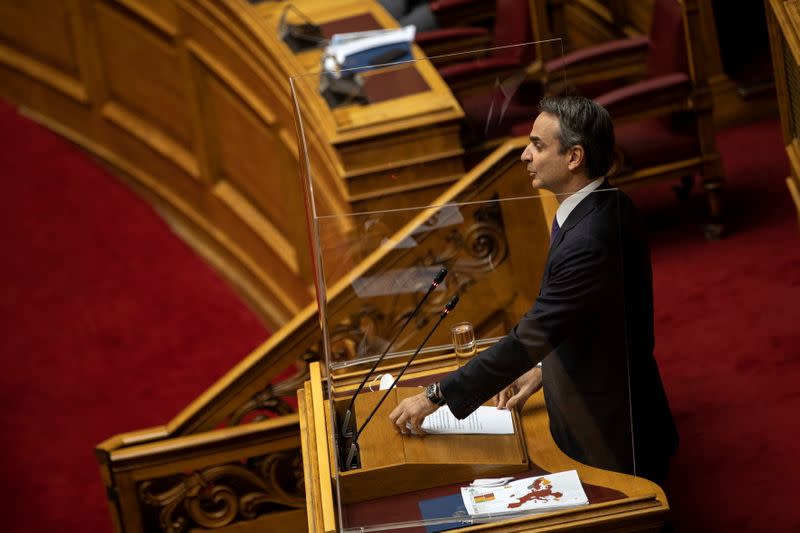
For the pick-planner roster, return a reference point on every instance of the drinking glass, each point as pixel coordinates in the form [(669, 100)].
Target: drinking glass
[(464, 339)]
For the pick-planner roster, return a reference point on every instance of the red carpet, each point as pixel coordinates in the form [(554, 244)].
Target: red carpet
[(728, 342), (110, 323)]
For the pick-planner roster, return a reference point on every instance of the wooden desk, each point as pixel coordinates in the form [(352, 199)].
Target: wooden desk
[(617, 501), (397, 151)]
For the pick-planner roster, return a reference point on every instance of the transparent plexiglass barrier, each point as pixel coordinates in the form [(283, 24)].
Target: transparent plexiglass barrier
[(420, 221)]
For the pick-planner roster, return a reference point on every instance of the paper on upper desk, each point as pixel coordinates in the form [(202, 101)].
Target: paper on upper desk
[(342, 38), (483, 421), (374, 39)]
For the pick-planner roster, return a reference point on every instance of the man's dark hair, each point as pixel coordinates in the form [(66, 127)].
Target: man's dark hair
[(586, 123)]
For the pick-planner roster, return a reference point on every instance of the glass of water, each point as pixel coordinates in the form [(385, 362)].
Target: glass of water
[(464, 339)]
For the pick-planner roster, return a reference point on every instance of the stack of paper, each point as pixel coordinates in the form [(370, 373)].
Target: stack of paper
[(549, 492), (360, 49)]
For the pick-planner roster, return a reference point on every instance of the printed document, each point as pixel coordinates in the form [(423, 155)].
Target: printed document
[(484, 420), (549, 492)]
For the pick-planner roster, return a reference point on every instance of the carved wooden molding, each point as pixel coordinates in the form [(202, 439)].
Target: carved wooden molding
[(220, 495)]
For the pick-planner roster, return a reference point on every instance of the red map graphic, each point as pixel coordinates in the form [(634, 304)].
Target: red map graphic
[(541, 490)]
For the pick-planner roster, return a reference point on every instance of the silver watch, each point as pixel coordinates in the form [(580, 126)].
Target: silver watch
[(434, 394)]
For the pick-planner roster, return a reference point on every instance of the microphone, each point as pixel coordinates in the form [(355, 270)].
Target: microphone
[(346, 433), (354, 445), (299, 37)]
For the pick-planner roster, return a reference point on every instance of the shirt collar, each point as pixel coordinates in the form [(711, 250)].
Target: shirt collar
[(574, 199)]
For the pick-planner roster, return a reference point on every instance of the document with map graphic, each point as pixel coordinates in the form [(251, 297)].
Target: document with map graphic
[(548, 492)]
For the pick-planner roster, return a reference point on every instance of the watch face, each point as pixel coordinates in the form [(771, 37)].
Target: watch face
[(430, 391)]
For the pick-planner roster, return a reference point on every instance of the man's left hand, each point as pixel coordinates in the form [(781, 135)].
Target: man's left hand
[(411, 412), (516, 394)]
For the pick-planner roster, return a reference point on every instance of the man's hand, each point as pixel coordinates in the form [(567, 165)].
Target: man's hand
[(516, 394), (412, 411)]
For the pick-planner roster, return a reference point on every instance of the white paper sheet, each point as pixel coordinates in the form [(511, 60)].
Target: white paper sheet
[(483, 421), (344, 45)]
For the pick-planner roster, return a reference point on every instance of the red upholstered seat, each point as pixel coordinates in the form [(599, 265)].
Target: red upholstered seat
[(512, 26), (663, 121), (478, 67), (489, 86), (655, 141)]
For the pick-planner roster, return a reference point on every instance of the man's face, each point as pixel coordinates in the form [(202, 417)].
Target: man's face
[(548, 169)]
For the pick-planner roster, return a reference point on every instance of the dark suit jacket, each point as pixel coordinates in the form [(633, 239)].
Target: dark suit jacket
[(592, 328)]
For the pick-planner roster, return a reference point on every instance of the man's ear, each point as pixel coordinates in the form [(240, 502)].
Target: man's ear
[(576, 157)]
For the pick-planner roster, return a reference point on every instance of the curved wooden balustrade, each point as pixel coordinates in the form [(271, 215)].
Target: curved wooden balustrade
[(194, 439), (189, 101)]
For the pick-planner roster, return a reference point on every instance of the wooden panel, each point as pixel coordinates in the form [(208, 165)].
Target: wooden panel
[(37, 39), (253, 172), (794, 193), (143, 72), (588, 22), (639, 14), (251, 155), (783, 20), (41, 29), (258, 223), (161, 14), (135, 125), (251, 71)]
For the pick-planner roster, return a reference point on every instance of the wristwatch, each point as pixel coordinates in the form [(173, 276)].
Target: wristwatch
[(434, 394)]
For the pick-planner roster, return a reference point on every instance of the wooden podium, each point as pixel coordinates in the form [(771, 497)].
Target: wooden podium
[(398, 472), (413, 463)]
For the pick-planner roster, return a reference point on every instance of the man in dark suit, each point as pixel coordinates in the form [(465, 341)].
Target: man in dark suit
[(591, 326)]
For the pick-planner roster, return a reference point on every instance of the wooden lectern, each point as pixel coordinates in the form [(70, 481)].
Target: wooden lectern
[(392, 463), (398, 472)]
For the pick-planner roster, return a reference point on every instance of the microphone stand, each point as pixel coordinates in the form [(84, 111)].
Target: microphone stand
[(354, 445), (346, 432), (299, 36)]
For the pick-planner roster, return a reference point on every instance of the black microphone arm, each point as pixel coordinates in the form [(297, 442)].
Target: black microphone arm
[(354, 445), (348, 414), (299, 36)]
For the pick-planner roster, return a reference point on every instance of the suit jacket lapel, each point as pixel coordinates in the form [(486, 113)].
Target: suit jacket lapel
[(581, 210)]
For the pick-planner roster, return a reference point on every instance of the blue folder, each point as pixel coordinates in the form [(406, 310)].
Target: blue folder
[(444, 507)]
